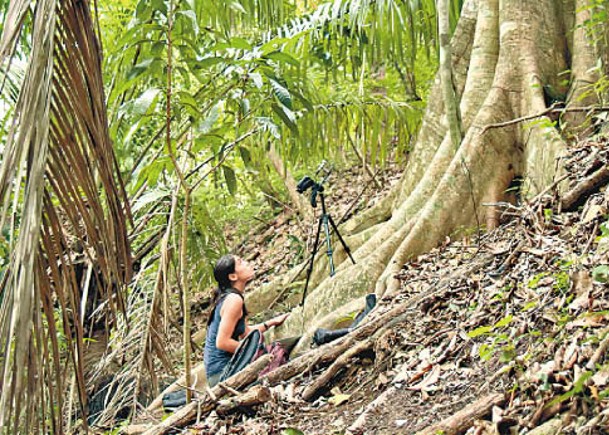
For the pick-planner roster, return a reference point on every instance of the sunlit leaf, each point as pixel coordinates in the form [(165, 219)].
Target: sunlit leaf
[(282, 94)]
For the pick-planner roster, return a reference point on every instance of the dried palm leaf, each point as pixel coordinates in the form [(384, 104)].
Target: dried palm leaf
[(61, 194)]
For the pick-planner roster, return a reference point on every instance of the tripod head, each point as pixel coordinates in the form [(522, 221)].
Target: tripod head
[(316, 187)]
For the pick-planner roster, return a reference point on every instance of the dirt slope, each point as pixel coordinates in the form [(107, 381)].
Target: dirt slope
[(518, 317)]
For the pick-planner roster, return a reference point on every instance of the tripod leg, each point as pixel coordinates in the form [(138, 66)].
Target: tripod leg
[(326, 219), (311, 261), (340, 238)]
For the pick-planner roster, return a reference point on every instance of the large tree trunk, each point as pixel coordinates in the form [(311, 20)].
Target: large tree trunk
[(505, 53)]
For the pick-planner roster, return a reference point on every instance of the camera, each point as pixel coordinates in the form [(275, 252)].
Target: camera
[(307, 182), (304, 184)]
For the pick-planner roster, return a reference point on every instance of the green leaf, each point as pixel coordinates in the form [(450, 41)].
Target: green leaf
[(193, 18), (504, 322), (140, 68), (244, 104), (530, 305), (267, 124), (159, 6), (292, 431), (235, 5), (273, 45), (479, 331), (282, 94), (287, 116), (601, 273), (143, 11), (151, 172), (189, 103), (246, 156), (212, 117), (144, 102), (577, 388), (149, 198), (240, 43), (485, 352), (282, 57), (206, 62), (231, 179)]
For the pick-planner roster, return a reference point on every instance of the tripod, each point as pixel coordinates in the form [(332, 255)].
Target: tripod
[(325, 220)]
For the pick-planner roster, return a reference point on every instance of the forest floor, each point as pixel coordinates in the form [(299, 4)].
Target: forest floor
[(501, 333)]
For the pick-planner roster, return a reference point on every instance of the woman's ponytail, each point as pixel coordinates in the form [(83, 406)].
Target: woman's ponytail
[(224, 267)]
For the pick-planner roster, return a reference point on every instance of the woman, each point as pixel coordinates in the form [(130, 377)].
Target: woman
[(227, 323)]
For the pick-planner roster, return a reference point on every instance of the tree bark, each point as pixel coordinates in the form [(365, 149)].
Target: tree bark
[(254, 396), (504, 55), (446, 74)]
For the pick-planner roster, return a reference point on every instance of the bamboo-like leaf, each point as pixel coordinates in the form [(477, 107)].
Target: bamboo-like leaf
[(231, 179)]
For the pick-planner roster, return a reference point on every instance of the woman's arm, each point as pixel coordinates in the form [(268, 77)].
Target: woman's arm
[(230, 313), (265, 326)]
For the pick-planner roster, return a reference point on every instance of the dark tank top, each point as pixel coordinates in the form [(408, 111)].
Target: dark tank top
[(216, 359)]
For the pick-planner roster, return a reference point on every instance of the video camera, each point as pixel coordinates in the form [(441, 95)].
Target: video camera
[(307, 182)]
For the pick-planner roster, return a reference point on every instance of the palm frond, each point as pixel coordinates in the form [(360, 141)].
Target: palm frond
[(64, 204)]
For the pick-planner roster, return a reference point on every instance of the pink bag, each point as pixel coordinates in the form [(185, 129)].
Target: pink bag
[(280, 355)]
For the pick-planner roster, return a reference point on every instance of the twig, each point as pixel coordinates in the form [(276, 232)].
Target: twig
[(211, 394), (552, 109), (357, 198), (324, 379), (602, 348), (547, 189), (228, 389), (189, 412), (591, 239)]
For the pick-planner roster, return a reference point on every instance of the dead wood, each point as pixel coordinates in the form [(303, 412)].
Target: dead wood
[(254, 396), (359, 425), (465, 418), (576, 196), (329, 352), (598, 354), (550, 427), (135, 429), (199, 383), (324, 379), (188, 413)]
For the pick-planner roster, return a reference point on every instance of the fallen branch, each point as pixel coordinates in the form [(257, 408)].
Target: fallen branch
[(574, 198), (464, 419), (550, 427), (324, 379), (331, 351), (188, 413), (254, 396), (197, 373), (598, 354), (359, 425)]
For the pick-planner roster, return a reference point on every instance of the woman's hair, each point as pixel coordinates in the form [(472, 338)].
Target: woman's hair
[(224, 267)]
